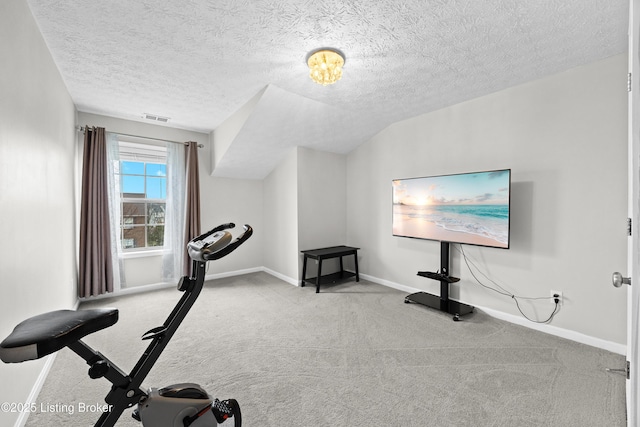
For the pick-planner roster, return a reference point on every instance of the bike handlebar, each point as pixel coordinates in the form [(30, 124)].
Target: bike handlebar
[(196, 251)]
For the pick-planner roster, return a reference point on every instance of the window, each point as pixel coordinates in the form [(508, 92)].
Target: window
[(141, 176)]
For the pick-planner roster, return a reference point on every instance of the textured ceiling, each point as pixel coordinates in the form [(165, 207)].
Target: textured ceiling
[(198, 62)]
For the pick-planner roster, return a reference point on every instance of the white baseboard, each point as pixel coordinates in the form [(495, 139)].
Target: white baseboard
[(289, 280), (130, 291), (559, 332), (35, 390), (164, 285), (233, 273), (389, 284), (549, 329)]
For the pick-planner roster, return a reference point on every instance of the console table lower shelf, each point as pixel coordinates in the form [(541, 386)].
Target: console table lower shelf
[(329, 279)]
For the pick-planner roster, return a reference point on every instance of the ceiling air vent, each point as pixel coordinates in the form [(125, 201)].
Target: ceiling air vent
[(155, 118)]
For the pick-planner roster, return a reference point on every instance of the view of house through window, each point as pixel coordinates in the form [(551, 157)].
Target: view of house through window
[(142, 176)]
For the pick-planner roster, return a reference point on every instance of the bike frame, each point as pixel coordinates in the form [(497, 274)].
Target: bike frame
[(125, 390)]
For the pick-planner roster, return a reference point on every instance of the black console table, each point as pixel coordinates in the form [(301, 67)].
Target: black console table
[(328, 253), (441, 302)]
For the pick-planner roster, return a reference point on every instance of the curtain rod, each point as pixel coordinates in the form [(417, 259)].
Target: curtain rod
[(82, 129)]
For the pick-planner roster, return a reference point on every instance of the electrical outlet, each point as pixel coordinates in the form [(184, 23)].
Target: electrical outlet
[(559, 293)]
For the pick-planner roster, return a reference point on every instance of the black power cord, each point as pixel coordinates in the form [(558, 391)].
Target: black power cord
[(500, 290)]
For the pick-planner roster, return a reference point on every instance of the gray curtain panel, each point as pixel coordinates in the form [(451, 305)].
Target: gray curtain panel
[(192, 217), (96, 272)]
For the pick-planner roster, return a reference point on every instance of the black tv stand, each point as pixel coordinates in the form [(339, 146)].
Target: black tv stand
[(442, 302)]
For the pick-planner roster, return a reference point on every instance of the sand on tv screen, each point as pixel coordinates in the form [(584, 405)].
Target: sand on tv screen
[(470, 208)]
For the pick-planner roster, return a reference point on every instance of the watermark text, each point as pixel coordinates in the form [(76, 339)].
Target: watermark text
[(60, 408)]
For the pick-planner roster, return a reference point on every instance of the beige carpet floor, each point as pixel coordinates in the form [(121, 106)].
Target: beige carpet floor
[(353, 355)]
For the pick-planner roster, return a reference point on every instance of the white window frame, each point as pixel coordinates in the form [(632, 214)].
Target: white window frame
[(145, 151)]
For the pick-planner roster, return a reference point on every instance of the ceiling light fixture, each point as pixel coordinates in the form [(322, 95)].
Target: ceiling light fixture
[(325, 65)]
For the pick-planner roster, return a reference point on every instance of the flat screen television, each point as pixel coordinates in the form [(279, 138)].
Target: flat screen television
[(469, 208)]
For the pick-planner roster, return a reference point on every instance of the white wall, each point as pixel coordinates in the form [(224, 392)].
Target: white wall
[(305, 208), (322, 208), (239, 201), (281, 218), (564, 137), (322, 197), (37, 248), (222, 201), (149, 130)]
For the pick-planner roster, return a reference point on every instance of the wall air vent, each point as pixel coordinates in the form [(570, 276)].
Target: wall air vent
[(155, 118)]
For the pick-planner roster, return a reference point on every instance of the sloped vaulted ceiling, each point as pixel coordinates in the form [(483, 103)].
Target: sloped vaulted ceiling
[(199, 62)]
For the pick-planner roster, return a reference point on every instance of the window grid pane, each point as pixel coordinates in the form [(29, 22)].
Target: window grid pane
[(143, 191)]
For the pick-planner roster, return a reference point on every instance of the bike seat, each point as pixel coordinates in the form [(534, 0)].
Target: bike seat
[(47, 333)]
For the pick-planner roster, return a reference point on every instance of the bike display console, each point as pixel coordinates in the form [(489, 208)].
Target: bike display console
[(442, 302)]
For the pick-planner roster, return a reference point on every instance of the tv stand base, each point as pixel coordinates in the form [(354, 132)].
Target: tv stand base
[(433, 301)]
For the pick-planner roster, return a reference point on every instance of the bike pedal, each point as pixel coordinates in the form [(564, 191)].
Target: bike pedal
[(221, 410)]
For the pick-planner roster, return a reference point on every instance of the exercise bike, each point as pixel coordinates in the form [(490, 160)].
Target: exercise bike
[(178, 405)]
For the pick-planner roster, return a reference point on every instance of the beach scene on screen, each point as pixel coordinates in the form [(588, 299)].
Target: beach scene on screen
[(467, 208)]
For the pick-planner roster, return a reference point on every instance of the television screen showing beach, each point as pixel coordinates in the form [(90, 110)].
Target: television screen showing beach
[(471, 208)]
